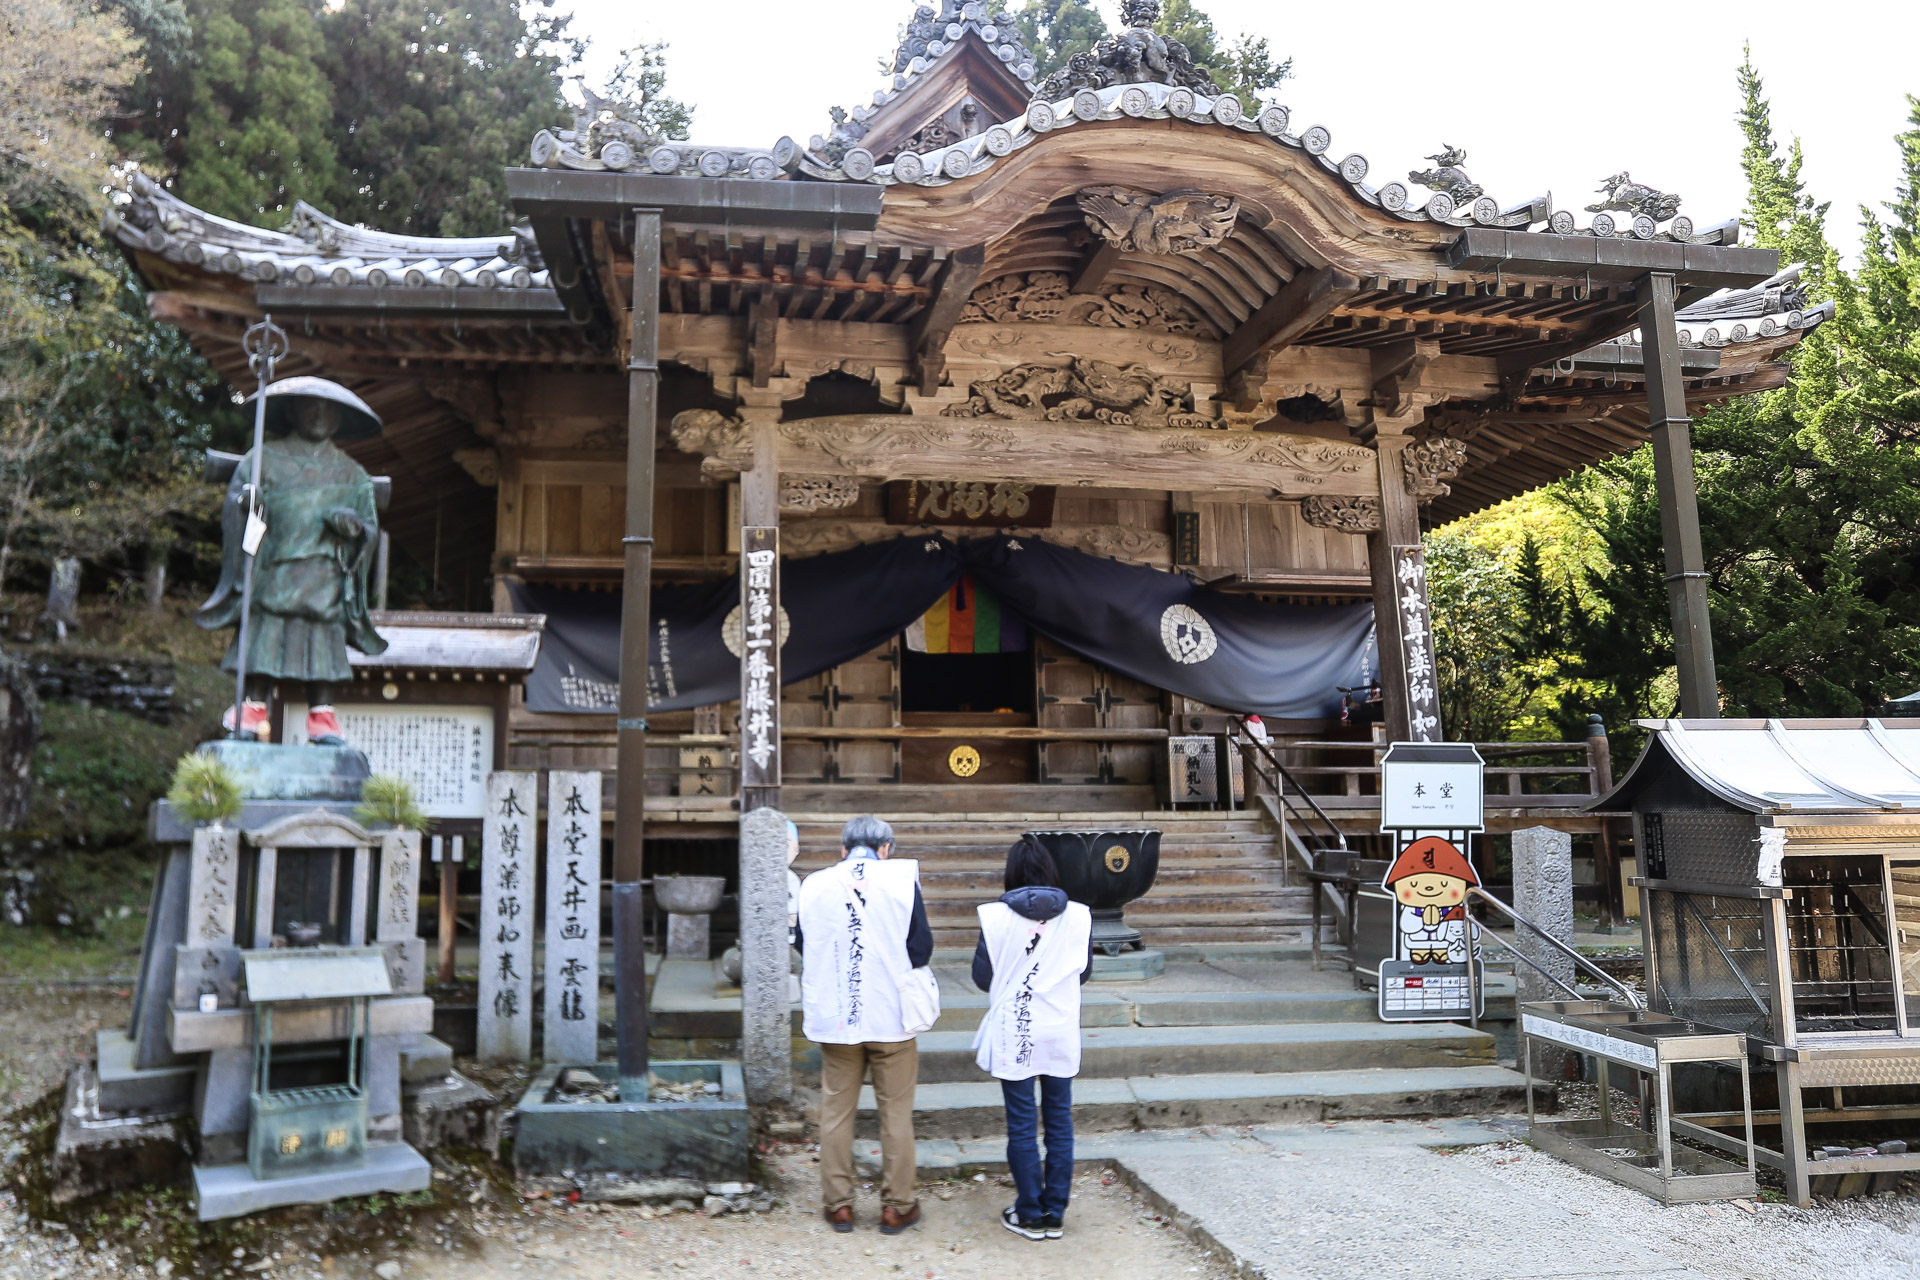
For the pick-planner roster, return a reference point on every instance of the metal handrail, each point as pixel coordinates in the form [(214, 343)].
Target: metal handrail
[(1282, 777), (1579, 960)]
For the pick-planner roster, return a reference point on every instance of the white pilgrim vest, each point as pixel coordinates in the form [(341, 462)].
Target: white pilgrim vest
[(853, 919), (1032, 1027)]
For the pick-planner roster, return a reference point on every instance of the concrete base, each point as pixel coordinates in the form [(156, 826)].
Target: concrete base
[(93, 1153), (451, 1111), (127, 1090), (227, 1191), (705, 1140), (1128, 966)]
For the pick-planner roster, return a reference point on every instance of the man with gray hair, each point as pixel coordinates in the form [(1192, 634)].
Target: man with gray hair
[(862, 927)]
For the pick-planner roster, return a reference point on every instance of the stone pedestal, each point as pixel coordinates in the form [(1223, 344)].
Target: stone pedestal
[(766, 1056), (689, 937), (1543, 893)]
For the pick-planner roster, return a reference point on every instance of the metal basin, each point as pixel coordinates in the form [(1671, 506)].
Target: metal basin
[(689, 895), (1105, 870)]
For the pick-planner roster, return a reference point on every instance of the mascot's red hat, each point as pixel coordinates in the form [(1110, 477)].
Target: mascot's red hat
[(1432, 854)]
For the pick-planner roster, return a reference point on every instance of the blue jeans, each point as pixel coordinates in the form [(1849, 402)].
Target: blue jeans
[(1040, 1196)]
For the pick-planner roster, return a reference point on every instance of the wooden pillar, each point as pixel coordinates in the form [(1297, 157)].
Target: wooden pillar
[(1679, 511), (1398, 568), (760, 638), (630, 794)]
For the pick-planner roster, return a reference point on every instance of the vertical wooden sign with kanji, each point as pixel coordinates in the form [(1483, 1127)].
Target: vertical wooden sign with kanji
[(505, 1032), (1416, 641), (760, 642), (572, 1006)]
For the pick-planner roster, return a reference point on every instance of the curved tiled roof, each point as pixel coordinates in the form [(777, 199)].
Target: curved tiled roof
[(317, 249), (1770, 309), (839, 159)]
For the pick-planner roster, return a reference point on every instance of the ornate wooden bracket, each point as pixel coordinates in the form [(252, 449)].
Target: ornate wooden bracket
[(1347, 514), (1430, 464), (818, 493), (1400, 375), (927, 334)]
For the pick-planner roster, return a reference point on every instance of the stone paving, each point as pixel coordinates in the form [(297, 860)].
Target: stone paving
[(1441, 1201)]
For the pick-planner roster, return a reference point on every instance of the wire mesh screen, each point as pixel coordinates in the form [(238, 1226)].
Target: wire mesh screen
[(1838, 943), (1710, 848), (1710, 960)]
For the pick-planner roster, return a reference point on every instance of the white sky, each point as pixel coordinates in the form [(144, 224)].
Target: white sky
[(1544, 97)]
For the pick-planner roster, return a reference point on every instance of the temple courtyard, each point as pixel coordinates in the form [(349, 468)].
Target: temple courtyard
[(1449, 1197)]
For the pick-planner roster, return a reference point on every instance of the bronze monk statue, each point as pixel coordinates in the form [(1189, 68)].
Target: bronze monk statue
[(311, 568)]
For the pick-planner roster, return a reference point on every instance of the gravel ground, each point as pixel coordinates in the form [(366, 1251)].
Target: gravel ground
[(47, 1030), (476, 1229)]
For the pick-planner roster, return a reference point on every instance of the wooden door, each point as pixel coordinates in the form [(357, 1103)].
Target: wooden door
[(1126, 703), (1066, 691), (1074, 693), (865, 693)]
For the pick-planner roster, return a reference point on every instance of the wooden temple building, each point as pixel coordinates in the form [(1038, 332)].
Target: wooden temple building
[(1116, 311)]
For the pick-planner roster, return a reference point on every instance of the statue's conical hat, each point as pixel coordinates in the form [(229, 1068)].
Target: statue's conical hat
[(358, 420)]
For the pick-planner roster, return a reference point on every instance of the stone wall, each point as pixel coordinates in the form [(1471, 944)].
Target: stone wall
[(142, 686)]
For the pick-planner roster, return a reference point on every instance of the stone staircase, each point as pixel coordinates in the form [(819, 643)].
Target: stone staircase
[(1156, 1059), (1219, 880)]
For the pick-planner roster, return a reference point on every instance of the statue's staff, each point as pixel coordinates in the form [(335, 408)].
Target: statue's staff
[(265, 343)]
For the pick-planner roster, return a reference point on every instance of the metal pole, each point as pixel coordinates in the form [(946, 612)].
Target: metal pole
[(1669, 427), (264, 343), (630, 788)]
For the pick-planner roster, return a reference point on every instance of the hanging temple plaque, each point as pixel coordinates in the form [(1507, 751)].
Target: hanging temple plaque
[(975, 503)]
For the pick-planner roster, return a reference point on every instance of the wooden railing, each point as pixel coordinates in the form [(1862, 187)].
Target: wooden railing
[(1573, 782)]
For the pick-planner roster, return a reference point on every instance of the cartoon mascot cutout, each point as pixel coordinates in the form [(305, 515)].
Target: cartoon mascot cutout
[(1429, 883)]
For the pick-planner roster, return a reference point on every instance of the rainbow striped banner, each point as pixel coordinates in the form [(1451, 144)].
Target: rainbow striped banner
[(967, 619)]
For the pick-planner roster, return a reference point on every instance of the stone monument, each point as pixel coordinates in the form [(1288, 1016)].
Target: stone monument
[(1543, 893)]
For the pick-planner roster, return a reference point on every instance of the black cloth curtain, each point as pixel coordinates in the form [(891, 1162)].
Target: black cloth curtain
[(837, 606), (1226, 650)]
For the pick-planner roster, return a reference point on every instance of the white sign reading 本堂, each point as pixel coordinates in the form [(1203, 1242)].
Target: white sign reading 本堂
[(445, 752), (507, 870), (1432, 786), (572, 1006)]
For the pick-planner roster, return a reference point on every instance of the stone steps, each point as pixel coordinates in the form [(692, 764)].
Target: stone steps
[(1219, 878), (1119, 1052), (972, 1109)]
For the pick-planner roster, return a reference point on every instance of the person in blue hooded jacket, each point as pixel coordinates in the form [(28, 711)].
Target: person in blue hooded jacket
[(1035, 950)]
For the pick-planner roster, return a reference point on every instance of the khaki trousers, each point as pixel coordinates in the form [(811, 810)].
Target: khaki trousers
[(896, 1069)]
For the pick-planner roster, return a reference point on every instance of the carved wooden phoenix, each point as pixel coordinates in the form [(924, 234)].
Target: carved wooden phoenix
[(1178, 222)]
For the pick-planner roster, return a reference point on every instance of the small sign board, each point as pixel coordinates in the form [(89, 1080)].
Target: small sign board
[(1429, 992), (445, 752), (1432, 786)]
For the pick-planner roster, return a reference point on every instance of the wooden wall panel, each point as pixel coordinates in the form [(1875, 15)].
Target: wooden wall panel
[(1282, 541)]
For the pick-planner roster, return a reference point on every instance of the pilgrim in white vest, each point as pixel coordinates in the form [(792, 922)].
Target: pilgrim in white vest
[(864, 991), (1035, 950)]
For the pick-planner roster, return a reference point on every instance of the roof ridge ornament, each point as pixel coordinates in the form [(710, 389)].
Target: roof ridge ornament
[(1646, 206), (1138, 55)]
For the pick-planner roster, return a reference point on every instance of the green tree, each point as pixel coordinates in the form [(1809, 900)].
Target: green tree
[(430, 102), (1057, 29), (1809, 494), (258, 127), (101, 409), (638, 85)]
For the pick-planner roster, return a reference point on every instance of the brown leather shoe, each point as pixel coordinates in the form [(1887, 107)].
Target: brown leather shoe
[(893, 1222), (840, 1219)]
